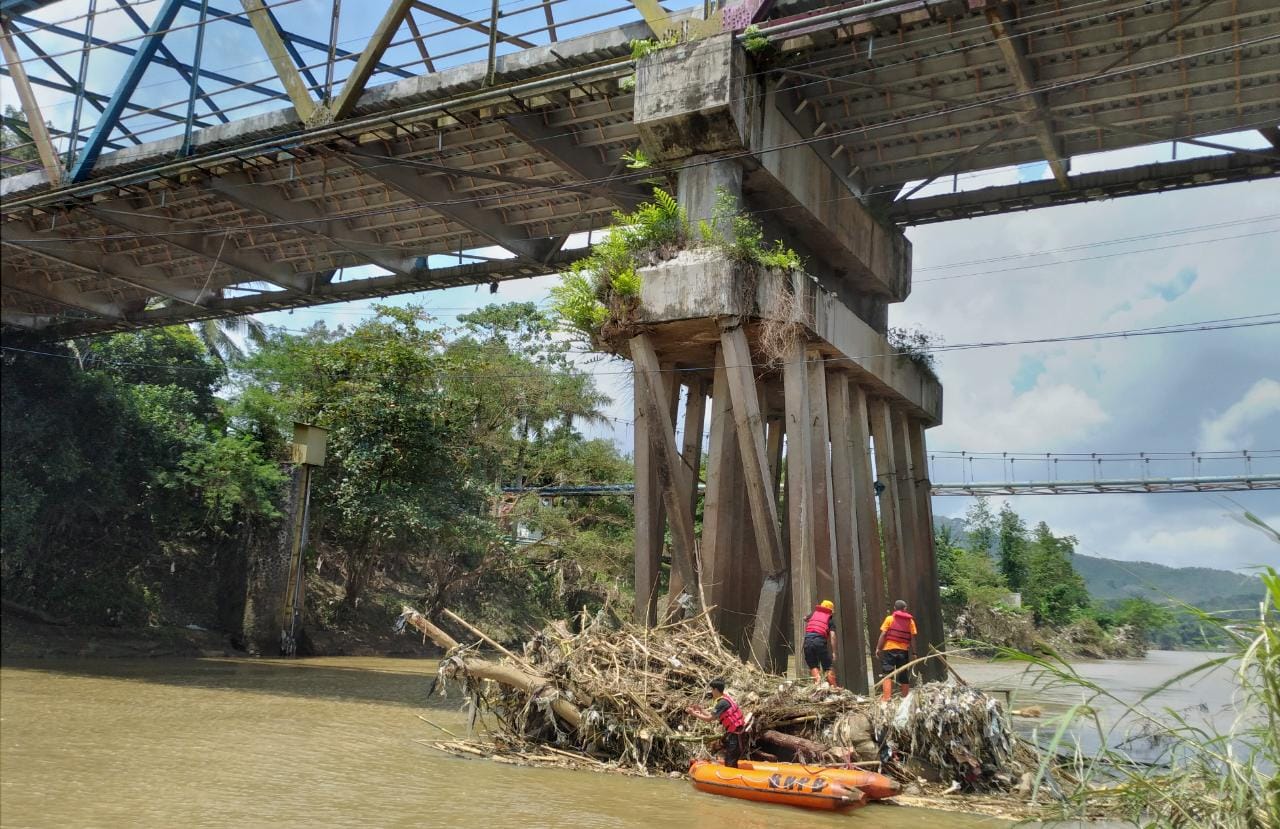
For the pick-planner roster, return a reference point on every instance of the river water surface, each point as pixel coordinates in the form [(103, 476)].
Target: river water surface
[(331, 742)]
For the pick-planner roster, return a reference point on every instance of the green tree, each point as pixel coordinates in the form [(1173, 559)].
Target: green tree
[(423, 428), (115, 452), (1011, 546), (980, 524), (1054, 591)]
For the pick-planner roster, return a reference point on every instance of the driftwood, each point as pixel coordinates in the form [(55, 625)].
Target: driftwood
[(802, 749), (609, 696), (511, 676)]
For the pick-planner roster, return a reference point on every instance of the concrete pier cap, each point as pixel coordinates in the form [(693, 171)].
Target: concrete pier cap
[(684, 301), (703, 106)]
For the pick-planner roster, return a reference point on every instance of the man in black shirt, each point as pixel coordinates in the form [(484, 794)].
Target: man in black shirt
[(730, 716)]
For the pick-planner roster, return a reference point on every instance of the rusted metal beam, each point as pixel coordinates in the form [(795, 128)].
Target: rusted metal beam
[(353, 88), (55, 292), (286, 69), (437, 192), (216, 248), (30, 107), (474, 25), (1013, 49), (117, 266), (555, 145)]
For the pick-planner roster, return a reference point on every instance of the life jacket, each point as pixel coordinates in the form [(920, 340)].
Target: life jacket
[(819, 622), (732, 718), (900, 629)]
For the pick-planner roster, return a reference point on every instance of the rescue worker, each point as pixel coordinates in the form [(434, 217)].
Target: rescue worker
[(896, 648), (730, 716), (820, 642)]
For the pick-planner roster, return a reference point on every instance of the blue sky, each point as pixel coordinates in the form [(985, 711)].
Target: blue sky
[(1204, 254)]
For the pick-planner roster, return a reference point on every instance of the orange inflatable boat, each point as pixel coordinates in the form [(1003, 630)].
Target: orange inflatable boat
[(808, 791), (874, 786)]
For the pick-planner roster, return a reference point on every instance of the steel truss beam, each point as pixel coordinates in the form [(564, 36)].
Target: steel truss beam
[(365, 66), (420, 279), (286, 70), (434, 189), (30, 107), (124, 90), (270, 201), (219, 250), (556, 146), (181, 68), (117, 266), (292, 38), (16, 280), (1085, 187), (1014, 50)]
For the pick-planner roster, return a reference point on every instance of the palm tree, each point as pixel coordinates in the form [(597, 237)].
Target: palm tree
[(219, 335)]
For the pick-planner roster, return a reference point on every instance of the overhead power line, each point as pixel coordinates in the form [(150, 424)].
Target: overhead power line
[(1251, 321)]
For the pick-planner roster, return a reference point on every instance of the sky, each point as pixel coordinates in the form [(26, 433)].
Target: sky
[(1204, 254)]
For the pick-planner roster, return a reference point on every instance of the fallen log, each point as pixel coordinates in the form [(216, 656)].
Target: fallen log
[(508, 675), (803, 750)]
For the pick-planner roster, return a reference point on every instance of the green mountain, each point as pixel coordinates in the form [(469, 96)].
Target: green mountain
[(1108, 579), (1199, 586)]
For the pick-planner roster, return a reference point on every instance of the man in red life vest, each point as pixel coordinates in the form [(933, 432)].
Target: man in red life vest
[(820, 642), (730, 716), (896, 648)]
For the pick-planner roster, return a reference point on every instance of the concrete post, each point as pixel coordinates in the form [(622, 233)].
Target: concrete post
[(268, 571)]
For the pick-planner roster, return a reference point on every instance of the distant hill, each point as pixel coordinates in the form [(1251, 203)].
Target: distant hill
[(1200, 586), (1109, 579)]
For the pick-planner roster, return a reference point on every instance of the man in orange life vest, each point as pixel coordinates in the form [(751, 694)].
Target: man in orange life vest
[(896, 648), (820, 642), (730, 716)]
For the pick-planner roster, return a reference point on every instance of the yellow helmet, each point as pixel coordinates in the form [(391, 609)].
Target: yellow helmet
[(827, 603)]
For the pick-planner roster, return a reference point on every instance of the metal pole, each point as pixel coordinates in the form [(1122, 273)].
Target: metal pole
[(493, 44), (195, 79), (300, 577), (333, 48), (81, 79)]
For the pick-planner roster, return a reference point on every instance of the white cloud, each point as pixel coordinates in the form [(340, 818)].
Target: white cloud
[(1047, 415), (1233, 429)]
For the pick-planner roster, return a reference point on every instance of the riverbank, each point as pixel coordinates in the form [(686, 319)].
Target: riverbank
[(25, 639)]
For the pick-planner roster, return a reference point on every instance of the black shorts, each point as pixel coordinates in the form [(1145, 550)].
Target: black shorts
[(732, 749), (816, 652), (891, 661)]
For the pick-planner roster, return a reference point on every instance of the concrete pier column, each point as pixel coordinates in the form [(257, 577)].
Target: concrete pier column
[(931, 597), (895, 560), (851, 666), (870, 556)]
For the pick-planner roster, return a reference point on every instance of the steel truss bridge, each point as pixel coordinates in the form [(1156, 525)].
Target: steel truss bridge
[(169, 186), (1060, 474)]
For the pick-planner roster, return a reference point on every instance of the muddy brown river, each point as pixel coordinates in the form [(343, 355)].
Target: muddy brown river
[(325, 742)]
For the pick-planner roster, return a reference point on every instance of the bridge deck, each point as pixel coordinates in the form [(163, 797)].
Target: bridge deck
[(268, 212)]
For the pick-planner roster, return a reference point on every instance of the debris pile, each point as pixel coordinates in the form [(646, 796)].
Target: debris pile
[(613, 696)]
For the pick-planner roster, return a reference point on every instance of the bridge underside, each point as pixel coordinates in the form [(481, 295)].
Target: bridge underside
[(271, 212)]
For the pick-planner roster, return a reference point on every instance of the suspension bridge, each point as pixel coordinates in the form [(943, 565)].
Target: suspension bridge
[(1107, 473)]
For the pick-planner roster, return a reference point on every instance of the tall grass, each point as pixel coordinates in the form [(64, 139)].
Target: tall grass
[(1203, 776)]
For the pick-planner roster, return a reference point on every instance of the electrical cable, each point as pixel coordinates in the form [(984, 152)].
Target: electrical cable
[(1250, 321), (1095, 258)]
